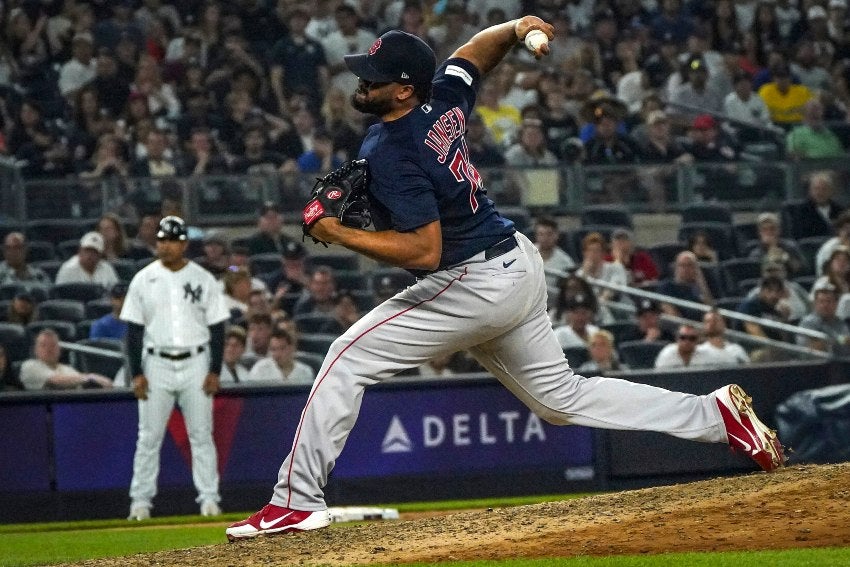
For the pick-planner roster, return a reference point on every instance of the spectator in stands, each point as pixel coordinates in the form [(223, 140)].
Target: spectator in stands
[(771, 248), (824, 319), (346, 311), (608, 146), (237, 292), (593, 265), (90, 122), (806, 69), (160, 96), (45, 372), (784, 99), (14, 267), (706, 143), (683, 353), (658, 146), (257, 158), (697, 93), (745, 105), (111, 88), (483, 151), (9, 381), (816, 215), (603, 355), (268, 237), (216, 257), (121, 25), (320, 293), (259, 332), (794, 297), (322, 158), (688, 283), (280, 366), (110, 326), (502, 120), (554, 258), (715, 344), (700, 244), (530, 148), (640, 267), (143, 244), (576, 326), (111, 228), (766, 305), (88, 265), (671, 22), (836, 271), (292, 275), (202, 157), (232, 369), (648, 327), (157, 162), (297, 63), (108, 159), (32, 141), (81, 68), (22, 310), (841, 225), (349, 37), (813, 139)]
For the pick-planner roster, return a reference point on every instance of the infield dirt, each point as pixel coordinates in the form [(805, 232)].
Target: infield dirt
[(800, 506)]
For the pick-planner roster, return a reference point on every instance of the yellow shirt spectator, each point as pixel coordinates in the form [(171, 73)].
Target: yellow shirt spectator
[(502, 122), (785, 108)]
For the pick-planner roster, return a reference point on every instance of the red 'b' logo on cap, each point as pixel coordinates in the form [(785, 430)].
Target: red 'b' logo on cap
[(334, 194), (375, 46)]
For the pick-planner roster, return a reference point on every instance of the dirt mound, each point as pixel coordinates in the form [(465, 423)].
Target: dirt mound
[(802, 506)]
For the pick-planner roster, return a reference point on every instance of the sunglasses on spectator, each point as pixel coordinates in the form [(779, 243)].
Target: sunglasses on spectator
[(692, 338)]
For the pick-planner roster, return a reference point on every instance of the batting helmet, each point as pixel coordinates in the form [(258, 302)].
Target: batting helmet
[(172, 228)]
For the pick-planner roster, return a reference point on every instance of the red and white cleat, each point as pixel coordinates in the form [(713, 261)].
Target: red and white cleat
[(746, 433), (276, 519)]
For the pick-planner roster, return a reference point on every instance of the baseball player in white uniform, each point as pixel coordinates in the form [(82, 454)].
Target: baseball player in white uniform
[(481, 285), (175, 313)]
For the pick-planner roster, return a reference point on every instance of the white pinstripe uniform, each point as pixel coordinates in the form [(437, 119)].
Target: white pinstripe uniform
[(176, 309)]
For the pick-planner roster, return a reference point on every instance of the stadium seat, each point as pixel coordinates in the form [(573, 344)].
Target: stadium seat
[(39, 250), (66, 330), (84, 328), (264, 263), (72, 310), (97, 308), (721, 236), (576, 356), (312, 359), (736, 269), (745, 232), (58, 230), (620, 329), (339, 262), (809, 247), (14, 338), (707, 212), (67, 248), (390, 278), (80, 291), (640, 354), (317, 343), (612, 215), (310, 323), (39, 292), (125, 268), (50, 267), (350, 280), (99, 364), (664, 254)]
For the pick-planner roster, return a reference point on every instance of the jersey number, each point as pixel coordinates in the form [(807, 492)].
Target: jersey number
[(465, 171)]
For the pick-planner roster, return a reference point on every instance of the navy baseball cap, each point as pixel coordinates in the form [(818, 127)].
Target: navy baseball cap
[(395, 57)]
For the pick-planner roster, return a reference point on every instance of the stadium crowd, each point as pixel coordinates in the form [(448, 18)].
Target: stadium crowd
[(148, 88)]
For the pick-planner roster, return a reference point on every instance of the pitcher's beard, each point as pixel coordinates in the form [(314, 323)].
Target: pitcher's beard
[(366, 106)]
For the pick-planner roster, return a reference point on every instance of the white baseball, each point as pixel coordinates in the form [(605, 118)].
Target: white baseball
[(534, 39)]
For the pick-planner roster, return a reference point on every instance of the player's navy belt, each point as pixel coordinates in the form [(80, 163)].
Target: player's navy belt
[(181, 355), (501, 247)]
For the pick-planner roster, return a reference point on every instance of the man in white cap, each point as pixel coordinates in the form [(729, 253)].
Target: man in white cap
[(88, 265), (81, 68)]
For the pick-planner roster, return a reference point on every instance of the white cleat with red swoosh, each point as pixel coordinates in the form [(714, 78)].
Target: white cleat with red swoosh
[(273, 519), (746, 433)]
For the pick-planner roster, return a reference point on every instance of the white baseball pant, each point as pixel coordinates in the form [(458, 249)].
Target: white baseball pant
[(169, 381), (497, 309)]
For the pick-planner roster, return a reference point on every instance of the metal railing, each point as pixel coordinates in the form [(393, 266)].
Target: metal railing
[(565, 189)]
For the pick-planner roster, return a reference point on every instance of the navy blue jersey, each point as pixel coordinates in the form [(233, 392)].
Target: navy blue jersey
[(420, 170)]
